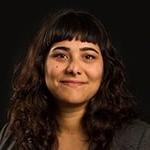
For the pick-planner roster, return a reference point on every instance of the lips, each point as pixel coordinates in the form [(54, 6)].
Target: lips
[(73, 83)]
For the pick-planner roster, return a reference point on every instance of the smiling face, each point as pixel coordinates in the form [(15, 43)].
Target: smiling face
[(73, 71)]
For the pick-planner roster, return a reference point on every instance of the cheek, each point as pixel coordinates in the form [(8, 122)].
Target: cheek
[(52, 71), (96, 73), (51, 75)]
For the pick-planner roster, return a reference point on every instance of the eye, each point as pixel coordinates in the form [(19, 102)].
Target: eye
[(89, 57), (60, 56)]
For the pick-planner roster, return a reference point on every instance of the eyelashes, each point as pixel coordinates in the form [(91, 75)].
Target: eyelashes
[(60, 56), (66, 57), (89, 57)]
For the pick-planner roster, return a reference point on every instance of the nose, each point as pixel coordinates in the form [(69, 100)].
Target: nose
[(74, 68)]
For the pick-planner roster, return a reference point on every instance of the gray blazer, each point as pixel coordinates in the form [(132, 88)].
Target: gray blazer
[(135, 136)]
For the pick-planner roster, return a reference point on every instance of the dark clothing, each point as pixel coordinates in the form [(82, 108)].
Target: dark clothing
[(135, 136)]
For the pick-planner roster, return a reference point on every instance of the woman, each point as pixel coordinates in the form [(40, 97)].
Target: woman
[(70, 92)]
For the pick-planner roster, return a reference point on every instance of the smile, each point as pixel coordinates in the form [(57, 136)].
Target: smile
[(73, 83)]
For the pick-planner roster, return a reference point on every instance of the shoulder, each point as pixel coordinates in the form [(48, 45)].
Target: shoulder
[(7, 141), (134, 136)]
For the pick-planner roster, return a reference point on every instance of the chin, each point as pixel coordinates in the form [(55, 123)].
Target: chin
[(73, 102)]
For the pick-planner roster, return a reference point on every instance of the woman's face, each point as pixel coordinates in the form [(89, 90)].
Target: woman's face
[(73, 71)]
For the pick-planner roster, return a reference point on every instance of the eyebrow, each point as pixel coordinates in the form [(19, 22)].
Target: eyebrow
[(61, 48), (82, 49), (89, 48)]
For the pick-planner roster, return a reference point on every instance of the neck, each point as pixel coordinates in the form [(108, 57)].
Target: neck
[(70, 119)]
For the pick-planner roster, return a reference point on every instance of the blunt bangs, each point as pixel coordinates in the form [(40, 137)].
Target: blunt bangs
[(79, 26)]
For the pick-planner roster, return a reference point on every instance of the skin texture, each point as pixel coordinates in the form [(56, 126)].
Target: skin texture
[(73, 71), (73, 74)]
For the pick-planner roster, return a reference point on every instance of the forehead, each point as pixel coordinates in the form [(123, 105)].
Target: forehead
[(75, 44)]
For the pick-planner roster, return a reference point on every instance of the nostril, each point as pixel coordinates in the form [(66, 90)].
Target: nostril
[(79, 73), (73, 70)]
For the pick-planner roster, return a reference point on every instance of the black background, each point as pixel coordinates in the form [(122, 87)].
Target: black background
[(127, 22)]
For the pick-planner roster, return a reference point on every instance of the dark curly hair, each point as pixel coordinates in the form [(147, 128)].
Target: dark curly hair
[(32, 113)]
